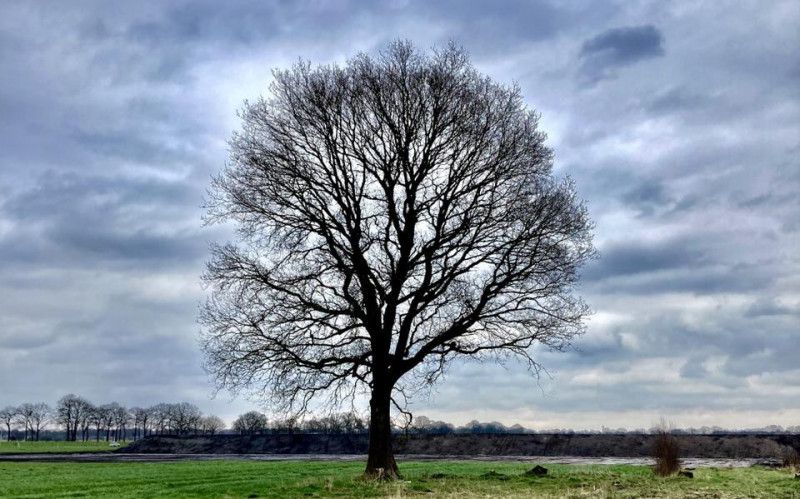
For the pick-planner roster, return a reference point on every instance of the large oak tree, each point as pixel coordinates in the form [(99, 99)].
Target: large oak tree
[(393, 214)]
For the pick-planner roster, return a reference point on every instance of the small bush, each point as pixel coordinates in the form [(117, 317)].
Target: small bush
[(792, 460), (666, 451)]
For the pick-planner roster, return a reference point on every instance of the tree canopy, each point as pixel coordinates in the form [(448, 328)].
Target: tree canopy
[(393, 213)]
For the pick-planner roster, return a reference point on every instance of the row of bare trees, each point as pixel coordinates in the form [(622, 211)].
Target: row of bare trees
[(81, 420), (254, 422), (30, 418)]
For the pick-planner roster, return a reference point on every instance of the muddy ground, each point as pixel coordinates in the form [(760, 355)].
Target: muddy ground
[(696, 450), (160, 458)]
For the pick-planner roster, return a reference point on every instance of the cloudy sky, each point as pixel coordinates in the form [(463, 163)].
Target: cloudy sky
[(679, 121)]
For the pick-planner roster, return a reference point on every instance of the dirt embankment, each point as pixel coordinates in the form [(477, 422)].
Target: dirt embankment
[(701, 446)]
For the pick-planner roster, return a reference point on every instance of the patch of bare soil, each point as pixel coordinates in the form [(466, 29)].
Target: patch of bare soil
[(156, 458), (493, 446)]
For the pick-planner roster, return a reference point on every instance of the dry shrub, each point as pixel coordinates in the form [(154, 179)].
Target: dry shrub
[(792, 460), (666, 450)]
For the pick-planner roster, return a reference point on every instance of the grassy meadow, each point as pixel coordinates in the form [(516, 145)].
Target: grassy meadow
[(288, 479), (51, 447)]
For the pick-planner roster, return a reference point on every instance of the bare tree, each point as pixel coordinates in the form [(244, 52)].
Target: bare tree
[(24, 415), (250, 423), (335, 423), (85, 421), (352, 423), (140, 417), (150, 420), (160, 416), (120, 417), (71, 412), (423, 424), (288, 425), (40, 416), (109, 413), (184, 417), (97, 418), (8, 416), (211, 424), (393, 214)]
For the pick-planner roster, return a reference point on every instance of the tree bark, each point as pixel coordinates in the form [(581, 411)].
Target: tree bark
[(380, 461)]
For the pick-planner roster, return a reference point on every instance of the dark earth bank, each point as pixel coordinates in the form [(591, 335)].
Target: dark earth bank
[(699, 446)]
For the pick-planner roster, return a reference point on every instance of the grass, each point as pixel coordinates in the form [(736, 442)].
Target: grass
[(249, 479), (55, 447)]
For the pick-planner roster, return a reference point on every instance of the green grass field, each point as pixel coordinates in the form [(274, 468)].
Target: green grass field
[(48, 447), (248, 479)]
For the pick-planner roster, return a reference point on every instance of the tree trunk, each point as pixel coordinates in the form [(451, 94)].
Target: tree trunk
[(380, 461)]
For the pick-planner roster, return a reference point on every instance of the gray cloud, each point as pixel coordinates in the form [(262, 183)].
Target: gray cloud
[(678, 99), (85, 220), (765, 307), (634, 257), (618, 47), (686, 153), (625, 45)]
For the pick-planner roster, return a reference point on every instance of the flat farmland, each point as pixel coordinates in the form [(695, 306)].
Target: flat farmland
[(286, 479)]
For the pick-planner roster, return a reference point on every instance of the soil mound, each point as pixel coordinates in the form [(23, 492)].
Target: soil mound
[(700, 446)]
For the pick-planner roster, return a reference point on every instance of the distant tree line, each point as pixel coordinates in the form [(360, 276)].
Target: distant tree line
[(254, 422), (81, 420), (422, 424)]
